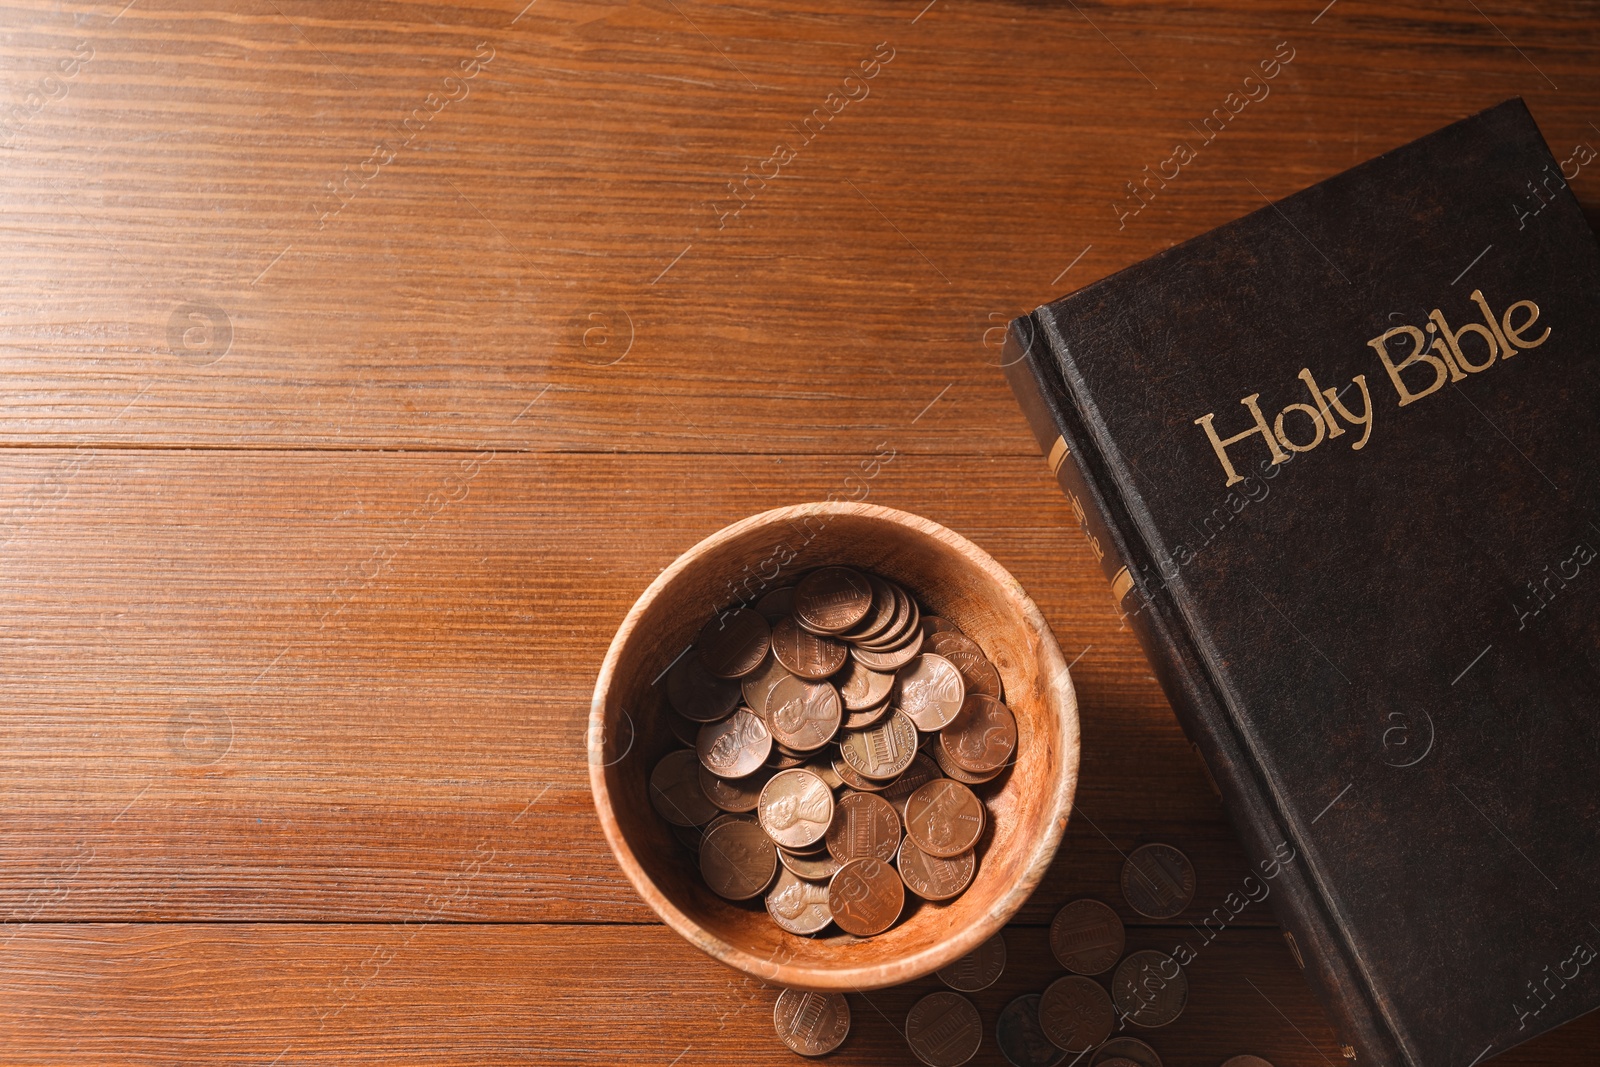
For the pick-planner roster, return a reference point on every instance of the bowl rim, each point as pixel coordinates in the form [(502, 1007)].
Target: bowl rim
[(848, 978)]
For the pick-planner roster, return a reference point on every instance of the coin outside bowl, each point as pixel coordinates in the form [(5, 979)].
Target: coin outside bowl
[(1028, 806)]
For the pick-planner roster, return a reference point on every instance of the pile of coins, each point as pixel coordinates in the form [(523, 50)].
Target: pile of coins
[(835, 732)]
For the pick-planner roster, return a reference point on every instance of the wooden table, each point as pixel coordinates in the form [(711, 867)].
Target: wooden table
[(364, 362)]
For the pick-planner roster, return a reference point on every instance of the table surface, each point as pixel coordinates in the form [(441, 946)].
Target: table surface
[(364, 362)]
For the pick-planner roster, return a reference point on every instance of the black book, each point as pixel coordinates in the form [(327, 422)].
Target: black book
[(1341, 462)]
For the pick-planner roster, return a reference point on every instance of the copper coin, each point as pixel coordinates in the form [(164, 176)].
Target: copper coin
[(757, 685), (1131, 1049), (798, 906), (824, 769), (891, 660), (944, 818), (933, 624), (922, 771), (1158, 881), (812, 1024), (675, 790), (983, 737), (687, 733), (803, 715), (698, 695), (1245, 1061), (734, 642), (737, 795), (1117, 1061), (1150, 988), (944, 1029), (779, 762), (860, 720), (959, 773), (818, 868), (929, 690), (806, 654), (1021, 1038), (777, 603), (688, 837), (876, 621), (864, 824), (882, 751), (847, 774), (862, 687), (866, 897), (978, 969), (935, 877), (1087, 937), (906, 625), (737, 858), (1076, 1013), (977, 672), (831, 600), (795, 808), (734, 747)]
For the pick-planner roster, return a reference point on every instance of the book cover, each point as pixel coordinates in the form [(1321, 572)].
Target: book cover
[(1340, 460)]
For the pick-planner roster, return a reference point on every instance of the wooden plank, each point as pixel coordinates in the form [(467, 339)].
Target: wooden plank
[(569, 208)]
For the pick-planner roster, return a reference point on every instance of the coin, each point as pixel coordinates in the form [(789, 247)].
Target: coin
[(737, 859), (890, 659), (864, 824), (795, 808), (862, 687), (688, 837), (977, 672), (944, 818), (866, 896), (698, 695), (929, 690), (907, 624), (685, 731), (733, 794), (824, 769), (959, 773), (1087, 937), (1158, 881), (978, 969), (804, 653), (1021, 1038), (734, 747), (876, 622), (803, 715), (860, 720), (1150, 988), (880, 751), (777, 603), (1076, 1013), (922, 771), (944, 1029), (798, 906), (983, 737), (780, 762), (848, 775), (1245, 1061), (734, 642), (812, 1024), (831, 600), (758, 684), (675, 790), (933, 624), (934, 877), (818, 868), (1130, 1049)]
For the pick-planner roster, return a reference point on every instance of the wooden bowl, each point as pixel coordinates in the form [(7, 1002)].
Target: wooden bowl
[(1028, 805)]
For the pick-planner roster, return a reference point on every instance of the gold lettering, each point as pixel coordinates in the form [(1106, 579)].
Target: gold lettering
[(1221, 446), (1381, 342), (1515, 332)]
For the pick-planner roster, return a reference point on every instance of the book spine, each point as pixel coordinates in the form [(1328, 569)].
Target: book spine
[(1313, 936)]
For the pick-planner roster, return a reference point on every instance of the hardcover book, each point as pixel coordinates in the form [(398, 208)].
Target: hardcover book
[(1340, 460)]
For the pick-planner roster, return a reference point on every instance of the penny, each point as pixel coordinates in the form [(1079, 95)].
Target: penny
[(1149, 988), (818, 868), (675, 790), (795, 808), (978, 969), (977, 672), (983, 737), (944, 818), (696, 694), (758, 684), (831, 600), (737, 859), (876, 622), (1087, 937), (804, 653), (848, 775), (685, 731), (933, 624), (775, 604), (812, 1024), (866, 896), (929, 690), (1158, 881), (798, 906), (1245, 1061), (944, 1029), (1117, 1061), (907, 624), (734, 747), (922, 771), (824, 770), (780, 762), (862, 687), (959, 773), (860, 720), (688, 837), (734, 642), (1130, 1049), (935, 877), (864, 824), (1021, 1038), (882, 751), (891, 660), (1076, 1013), (733, 794), (803, 715)]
